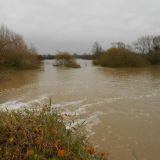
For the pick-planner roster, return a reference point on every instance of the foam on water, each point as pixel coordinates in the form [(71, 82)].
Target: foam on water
[(71, 108), (89, 122), (17, 104)]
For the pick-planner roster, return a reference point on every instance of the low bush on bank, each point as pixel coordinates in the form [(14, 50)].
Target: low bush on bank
[(120, 57), (14, 52), (153, 57), (19, 59), (66, 59), (42, 135)]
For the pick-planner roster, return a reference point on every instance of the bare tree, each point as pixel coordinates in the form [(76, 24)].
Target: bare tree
[(10, 40), (118, 45), (97, 49), (156, 42), (144, 44)]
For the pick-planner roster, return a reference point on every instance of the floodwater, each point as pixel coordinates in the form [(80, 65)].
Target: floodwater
[(120, 106)]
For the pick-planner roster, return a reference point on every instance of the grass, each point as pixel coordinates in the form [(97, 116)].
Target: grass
[(32, 134)]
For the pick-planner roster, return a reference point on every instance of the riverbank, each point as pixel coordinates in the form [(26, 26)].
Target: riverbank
[(41, 134)]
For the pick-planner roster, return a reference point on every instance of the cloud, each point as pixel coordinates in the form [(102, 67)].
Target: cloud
[(74, 25)]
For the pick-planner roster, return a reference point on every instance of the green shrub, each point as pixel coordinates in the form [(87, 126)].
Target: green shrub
[(120, 57), (66, 59)]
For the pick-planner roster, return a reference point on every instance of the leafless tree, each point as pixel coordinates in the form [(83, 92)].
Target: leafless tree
[(97, 49), (144, 44), (118, 45), (156, 42), (10, 40)]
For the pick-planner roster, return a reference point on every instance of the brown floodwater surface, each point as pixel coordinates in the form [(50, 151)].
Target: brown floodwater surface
[(120, 106)]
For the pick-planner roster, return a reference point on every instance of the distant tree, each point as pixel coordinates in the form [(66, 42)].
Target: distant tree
[(83, 56), (144, 44), (97, 49), (129, 47), (118, 45), (10, 40), (156, 42)]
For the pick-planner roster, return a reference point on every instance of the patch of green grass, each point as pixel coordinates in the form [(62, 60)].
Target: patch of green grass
[(42, 135)]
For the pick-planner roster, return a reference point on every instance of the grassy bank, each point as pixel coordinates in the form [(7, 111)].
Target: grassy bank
[(42, 135), (14, 52)]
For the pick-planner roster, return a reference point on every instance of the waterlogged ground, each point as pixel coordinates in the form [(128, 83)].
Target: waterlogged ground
[(120, 106)]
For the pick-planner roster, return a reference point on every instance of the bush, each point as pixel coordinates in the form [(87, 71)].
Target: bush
[(153, 57), (66, 59), (41, 135), (18, 59), (120, 57), (14, 52)]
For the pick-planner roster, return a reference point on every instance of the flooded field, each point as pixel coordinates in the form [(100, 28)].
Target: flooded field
[(120, 106)]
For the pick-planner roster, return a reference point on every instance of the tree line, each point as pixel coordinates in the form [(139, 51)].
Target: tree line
[(143, 52), (143, 45)]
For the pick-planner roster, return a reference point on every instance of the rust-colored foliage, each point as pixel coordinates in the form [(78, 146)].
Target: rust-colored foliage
[(61, 153)]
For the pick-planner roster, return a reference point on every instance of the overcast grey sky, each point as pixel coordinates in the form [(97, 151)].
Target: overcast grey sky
[(74, 25)]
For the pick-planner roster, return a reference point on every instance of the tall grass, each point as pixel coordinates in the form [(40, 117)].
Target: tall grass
[(41, 135)]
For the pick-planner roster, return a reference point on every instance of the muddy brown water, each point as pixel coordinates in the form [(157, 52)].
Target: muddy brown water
[(120, 106)]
